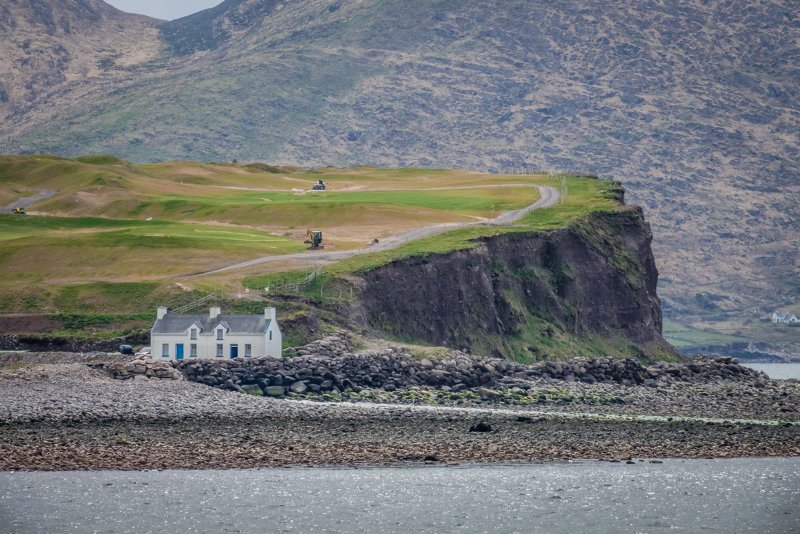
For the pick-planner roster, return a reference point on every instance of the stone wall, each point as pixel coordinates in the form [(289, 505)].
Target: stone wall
[(328, 365), (140, 369)]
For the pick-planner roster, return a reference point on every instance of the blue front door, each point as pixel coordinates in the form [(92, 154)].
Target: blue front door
[(179, 351), (234, 352)]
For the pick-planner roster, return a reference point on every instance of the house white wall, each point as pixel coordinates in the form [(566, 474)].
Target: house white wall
[(274, 346), (270, 343), (260, 345)]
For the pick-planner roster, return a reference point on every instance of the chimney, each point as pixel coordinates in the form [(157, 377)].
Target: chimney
[(214, 312), (161, 312), (269, 313)]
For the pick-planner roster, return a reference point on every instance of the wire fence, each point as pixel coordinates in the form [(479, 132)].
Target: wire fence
[(294, 286), (197, 303)]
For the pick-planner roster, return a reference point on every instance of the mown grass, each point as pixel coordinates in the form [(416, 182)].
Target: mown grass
[(65, 248), (583, 196), (286, 209)]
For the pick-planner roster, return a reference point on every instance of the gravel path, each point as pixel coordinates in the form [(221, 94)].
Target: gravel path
[(68, 416), (27, 201), (549, 196)]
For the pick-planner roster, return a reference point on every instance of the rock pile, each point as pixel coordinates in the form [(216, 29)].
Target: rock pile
[(630, 372), (329, 365), (142, 369), (388, 369), (392, 368), (331, 346)]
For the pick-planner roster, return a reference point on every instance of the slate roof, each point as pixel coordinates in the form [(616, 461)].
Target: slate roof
[(237, 324)]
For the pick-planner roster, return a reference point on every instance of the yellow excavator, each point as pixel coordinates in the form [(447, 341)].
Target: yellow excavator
[(314, 238)]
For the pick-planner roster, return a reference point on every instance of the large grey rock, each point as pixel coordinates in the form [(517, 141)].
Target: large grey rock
[(252, 389), (298, 387), (274, 391)]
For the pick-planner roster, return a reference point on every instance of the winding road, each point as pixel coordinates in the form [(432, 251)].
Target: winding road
[(549, 196)]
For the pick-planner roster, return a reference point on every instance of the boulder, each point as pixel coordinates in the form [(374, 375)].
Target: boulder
[(275, 391), (298, 387), (252, 389), (482, 426)]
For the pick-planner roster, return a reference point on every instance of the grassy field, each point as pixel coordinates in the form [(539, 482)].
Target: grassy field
[(684, 336), (72, 249), (696, 333), (115, 239), (580, 197)]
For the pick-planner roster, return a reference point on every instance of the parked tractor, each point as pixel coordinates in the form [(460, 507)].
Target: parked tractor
[(314, 238)]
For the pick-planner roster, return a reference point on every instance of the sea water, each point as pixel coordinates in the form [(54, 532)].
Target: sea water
[(757, 495), (779, 371)]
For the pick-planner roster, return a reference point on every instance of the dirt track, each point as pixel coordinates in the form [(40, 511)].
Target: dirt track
[(27, 201), (549, 197)]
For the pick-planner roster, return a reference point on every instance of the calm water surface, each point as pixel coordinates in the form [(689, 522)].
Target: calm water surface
[(743, 495), (777, 370)]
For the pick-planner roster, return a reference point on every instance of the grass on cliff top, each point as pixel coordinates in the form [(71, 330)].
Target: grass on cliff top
[(258, 195), (580, 197)]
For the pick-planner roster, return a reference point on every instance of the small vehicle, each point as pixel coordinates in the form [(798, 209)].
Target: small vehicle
[(319, 186), (314, 238), (18, 211)]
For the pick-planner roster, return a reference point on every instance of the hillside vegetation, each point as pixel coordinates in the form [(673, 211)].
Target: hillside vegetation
[(109, 220), (114, 239), (693, 105)]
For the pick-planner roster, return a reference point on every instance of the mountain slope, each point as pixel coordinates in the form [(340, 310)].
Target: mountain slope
[(693, 105), (47, 46)]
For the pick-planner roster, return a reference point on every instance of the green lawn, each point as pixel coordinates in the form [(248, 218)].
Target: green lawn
[(682, 336), (581, 197), (64, 248)]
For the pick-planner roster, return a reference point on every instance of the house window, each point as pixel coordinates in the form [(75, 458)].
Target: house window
[(270, 335), (193, 333), (248, 350), (219, 350), (219, 334), (193, 350), (165, 350)]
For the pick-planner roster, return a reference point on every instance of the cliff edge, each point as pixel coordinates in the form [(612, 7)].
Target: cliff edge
[(585, 290)]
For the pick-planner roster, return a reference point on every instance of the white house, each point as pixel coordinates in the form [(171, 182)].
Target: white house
[(784, 318), (215, 336)]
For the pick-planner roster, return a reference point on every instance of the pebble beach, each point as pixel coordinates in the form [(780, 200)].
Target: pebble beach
[(66, 416)]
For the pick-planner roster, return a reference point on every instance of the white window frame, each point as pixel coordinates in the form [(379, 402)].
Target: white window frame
[(193, 350), (220, 350), (270, 335), (165, 350), (193, 334), (248, 350), (220, 334)]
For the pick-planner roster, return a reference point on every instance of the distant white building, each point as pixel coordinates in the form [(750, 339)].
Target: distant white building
[(784, 318), (215, 336)]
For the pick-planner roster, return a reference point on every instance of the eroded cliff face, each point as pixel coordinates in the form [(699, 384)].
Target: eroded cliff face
[(589, 290)]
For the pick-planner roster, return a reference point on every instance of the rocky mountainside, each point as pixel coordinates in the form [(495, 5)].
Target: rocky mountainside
[(50, 46), (693, 104)]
